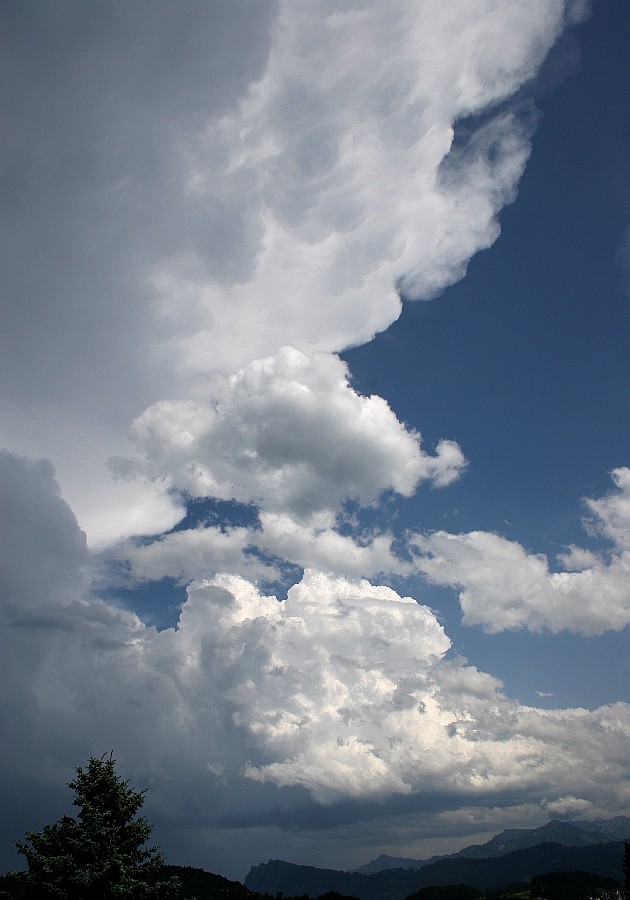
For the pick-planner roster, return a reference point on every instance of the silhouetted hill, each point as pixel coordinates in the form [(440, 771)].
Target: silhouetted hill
[(383, 862), (522, 865), (615, 829), (452, 892), (206, 886), (571, 834), (603, 859), (196, 883)]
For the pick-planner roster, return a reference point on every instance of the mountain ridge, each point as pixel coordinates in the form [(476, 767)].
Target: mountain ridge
[(518, 866), (570, 833)]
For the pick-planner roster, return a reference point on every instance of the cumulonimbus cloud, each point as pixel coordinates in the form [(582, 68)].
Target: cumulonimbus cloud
[(292, 205)]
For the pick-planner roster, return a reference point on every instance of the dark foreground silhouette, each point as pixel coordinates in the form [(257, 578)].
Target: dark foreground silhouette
[(102, 854)]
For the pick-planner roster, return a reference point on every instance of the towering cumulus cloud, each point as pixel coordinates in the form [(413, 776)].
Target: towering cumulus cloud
[(225, 238)]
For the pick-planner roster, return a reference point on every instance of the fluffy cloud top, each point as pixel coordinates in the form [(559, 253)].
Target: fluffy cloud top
[(289, 434), (504, 586)]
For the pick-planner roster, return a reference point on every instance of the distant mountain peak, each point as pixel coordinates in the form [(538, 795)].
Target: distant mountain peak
[(603, 859), (569, 833)]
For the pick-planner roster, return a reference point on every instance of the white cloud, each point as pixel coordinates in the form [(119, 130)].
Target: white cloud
[(275, 178), (273, 187), (328, 551), (568, 806), (114, 509), (577, 558), (201, 552), (289, 434), (611, 514), (94, 197), (341, 158), (504, 586), (196, 553), (345, 690)]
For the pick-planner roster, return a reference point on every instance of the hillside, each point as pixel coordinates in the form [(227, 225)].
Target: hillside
[(603, 859)]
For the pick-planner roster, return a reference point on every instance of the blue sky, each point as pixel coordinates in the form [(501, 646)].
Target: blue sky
[(315, 490), (525, 359)]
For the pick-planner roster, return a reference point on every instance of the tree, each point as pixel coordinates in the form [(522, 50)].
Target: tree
[(575, 885), (626, 871), (102, 854)]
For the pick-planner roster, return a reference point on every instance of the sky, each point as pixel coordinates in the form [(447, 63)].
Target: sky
[(315, 408)]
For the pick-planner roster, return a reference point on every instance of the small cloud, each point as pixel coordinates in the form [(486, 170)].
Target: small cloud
[(503, 586), (577, 558), (567, 806)]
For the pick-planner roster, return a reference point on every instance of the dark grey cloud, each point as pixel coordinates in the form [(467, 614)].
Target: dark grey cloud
[(97, 100), (42, 549)]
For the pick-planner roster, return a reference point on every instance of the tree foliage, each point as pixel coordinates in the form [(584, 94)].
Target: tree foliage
[(446, 892), (102, 854), (570, 885)]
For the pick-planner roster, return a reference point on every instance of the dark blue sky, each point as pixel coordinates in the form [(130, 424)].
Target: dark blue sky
[(525, 362)]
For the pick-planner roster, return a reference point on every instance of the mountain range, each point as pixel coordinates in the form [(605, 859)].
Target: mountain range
[(570, 834), (513, 856)]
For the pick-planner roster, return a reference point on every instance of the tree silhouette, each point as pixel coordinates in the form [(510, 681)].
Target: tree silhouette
[(100, 855), (626, 871)]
